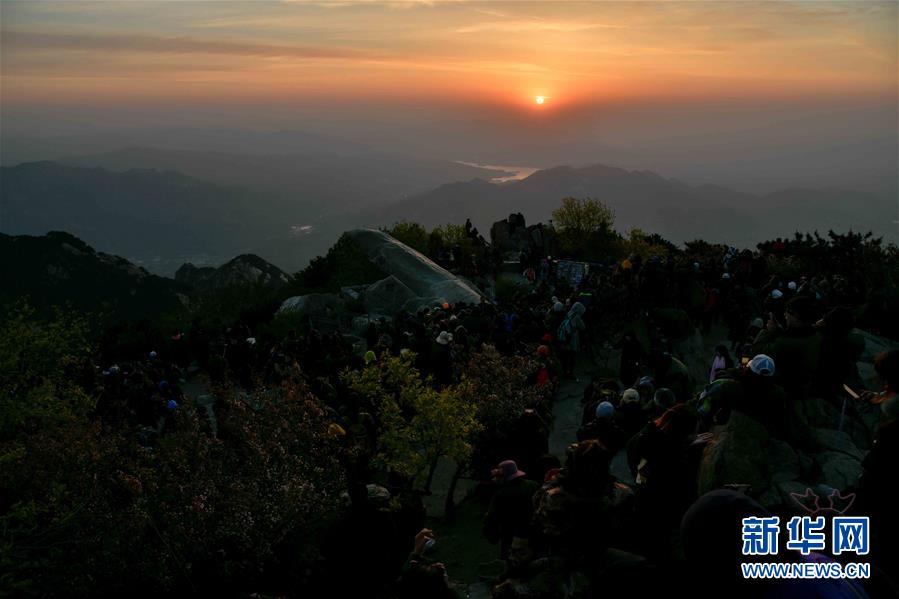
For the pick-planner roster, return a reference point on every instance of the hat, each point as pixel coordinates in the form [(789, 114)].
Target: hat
[(444, 338), (645, 381), (369, 357), (507, 470), (445, 306), (758, 323), (726, 276), (630, 395), (762, 365), (251, 340), (377, 493), (664, 398), (791, 285), (776, 293), (171, 404), (543, 350), (152, 354), (605, 410), (558, 307)]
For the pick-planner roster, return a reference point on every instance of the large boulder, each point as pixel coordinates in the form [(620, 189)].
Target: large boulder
[(387, 296), (838, 470), (429, 282), (826, 439), (313, 304)]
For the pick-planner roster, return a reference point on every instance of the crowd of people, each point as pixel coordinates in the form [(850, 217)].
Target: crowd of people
[(571, 528)]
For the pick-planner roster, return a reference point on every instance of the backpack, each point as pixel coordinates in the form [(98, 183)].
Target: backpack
[(564, 332)]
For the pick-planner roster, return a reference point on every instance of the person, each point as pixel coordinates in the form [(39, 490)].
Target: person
[(582, 509), (510, 510), (630, 412), (756, 394), (661, 459), (840, 350), (604, 428), (422, 576), (886, 365), (528, 440), (794, 347), (721, 361), (876, 485), (669, 372), (631, 358), (569, 336), (442, 359)]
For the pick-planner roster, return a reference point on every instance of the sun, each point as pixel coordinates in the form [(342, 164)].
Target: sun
[(540, 99)]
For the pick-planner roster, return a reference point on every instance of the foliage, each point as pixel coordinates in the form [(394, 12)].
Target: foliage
[(412, 234), (638, 242), (41, 361), (417, 423), (585, 228), (507, 290), (87, 509), (504, 389), (344, 264)]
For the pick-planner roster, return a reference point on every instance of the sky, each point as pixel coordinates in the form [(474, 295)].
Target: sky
[(613, 74)]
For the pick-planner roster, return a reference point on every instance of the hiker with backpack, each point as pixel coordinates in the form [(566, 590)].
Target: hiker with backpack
[(569, 338)]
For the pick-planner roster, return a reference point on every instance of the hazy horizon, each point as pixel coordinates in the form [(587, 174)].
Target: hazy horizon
[(756, 96)]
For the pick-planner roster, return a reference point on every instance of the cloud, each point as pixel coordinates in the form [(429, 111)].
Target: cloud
[(527, 25), (174, 45)]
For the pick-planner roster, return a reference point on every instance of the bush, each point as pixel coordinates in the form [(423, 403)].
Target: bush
[(86, 509), (417, 424)]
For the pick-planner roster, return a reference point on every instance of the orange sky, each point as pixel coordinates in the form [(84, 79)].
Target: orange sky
[(469, 53)]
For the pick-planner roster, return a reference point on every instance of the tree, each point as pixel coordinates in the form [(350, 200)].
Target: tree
[(412, 234), (417, 423), (504, 390), (585, 228), (88, 509)]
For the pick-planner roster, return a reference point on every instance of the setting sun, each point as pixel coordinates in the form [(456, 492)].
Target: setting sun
[(539, 99)]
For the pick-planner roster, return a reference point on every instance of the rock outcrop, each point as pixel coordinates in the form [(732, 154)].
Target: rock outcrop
[(246, 269), (59, 268), (428, 282)]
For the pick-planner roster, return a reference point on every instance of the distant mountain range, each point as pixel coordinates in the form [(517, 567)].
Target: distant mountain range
[(646, 200), (316, 184), (146, 215), (240, 204)]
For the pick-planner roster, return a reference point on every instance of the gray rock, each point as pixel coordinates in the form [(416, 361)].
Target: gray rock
[(428, 281), (834, 440), (786, 490), (737, 455), (387, 296), (783, 461), (313, 304), (246, 269), (838, 470)]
